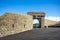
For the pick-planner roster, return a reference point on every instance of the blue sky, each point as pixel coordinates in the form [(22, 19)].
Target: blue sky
[(50, 7)]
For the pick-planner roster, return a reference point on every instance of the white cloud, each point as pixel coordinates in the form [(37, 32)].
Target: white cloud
[(35, 21), (53, 18), (50, 18)]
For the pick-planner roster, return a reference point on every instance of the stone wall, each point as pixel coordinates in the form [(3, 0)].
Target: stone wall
[(14, 23), (49, 22)]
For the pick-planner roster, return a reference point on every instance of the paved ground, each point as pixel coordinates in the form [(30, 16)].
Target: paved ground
[(36, 34)]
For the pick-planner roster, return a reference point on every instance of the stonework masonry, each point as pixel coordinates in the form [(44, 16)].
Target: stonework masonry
[(11, 23), (40, 16)]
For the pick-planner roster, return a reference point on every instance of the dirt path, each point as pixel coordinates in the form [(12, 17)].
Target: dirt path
[(36, 34)]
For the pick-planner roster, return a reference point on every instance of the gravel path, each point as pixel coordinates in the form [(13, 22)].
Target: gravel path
[(36, 34)]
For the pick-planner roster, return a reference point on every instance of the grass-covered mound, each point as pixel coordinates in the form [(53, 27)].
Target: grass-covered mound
[(56, 25), (36, 25)]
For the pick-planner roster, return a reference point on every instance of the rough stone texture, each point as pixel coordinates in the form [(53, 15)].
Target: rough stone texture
[(50, 22), (14, 23), (40, 16)]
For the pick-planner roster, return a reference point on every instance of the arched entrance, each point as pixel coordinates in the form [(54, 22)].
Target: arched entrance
[(40, 16), (36, 23)]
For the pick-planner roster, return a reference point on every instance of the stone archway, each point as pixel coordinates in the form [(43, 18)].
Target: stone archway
[(38, 15), (36, 23)]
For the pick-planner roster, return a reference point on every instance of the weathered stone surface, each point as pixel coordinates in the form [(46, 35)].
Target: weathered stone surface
[(40, 16), (14, 23), (50, 22)]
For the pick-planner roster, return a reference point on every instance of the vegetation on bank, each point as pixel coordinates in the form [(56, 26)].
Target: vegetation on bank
[(36, 25), (56, 25)]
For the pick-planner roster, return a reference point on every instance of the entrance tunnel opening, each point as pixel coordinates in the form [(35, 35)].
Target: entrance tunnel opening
[(36, 23)]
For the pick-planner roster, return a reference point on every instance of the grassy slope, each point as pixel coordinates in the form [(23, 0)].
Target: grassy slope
[(36, 24), (56, 25)]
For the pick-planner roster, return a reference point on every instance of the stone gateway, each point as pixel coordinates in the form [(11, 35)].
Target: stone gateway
[(40, 16), (14, 23)]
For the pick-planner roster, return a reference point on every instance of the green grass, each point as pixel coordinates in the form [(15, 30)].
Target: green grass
[(56, 25), (36, 24), (51, 26)]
